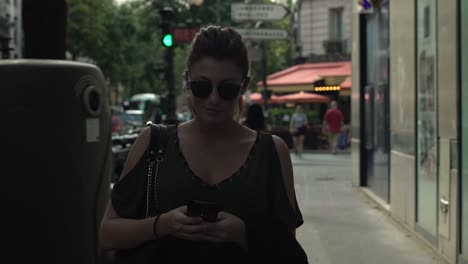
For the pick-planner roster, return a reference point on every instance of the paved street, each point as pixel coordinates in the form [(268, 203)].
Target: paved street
[(341, 224)]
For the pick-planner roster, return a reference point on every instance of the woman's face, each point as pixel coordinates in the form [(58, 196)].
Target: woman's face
[(219, 75)]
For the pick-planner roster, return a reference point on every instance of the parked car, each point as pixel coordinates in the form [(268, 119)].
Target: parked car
[(122, 121), (126, 125)]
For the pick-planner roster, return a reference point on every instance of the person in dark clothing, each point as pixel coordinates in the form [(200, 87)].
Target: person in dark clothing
[(247, 174), (255, 119)]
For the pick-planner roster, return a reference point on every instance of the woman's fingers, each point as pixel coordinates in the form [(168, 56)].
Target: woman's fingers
[(187, 220), (182, 217), (192, 229)]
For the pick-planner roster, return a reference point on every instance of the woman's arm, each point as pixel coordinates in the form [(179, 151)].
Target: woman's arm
[(117, 232), (286, 170)]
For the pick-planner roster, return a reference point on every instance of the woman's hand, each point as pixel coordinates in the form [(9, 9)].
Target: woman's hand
[(178, 224), (227, 228)]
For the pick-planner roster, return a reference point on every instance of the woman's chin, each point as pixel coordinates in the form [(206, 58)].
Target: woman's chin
[(214, 119)]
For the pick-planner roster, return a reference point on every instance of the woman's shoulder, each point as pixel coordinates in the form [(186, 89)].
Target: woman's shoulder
[(142, 141), (137, 150)]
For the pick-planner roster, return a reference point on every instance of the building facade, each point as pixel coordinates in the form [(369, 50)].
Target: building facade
[(409, 125), (321, 31), (11, 29), (323, 26)]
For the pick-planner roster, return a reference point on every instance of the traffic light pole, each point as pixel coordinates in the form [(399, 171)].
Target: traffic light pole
[(167, 20), (264, 73), (171, 117)]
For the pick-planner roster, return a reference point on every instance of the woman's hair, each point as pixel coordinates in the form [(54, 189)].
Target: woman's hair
[(220, 44), (255, 119)]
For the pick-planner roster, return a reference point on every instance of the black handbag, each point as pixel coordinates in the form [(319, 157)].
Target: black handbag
[(148, 251), (158, 143)]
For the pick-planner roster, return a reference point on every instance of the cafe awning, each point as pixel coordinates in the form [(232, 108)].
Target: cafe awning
[(257, 98), (302, 77), (302, 97), (346, 84)]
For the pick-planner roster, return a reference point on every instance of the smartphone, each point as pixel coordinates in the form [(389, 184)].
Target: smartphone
[(206, 210)]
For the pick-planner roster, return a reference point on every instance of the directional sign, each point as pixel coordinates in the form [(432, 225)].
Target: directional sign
[(262, 33), (240, 12)]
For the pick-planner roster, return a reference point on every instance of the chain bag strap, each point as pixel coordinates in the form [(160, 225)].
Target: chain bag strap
[(156, 157)]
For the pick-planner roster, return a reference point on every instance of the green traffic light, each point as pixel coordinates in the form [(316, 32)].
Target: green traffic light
[(167, 40)]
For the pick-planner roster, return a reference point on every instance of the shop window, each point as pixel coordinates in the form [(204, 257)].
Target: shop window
[(427, 119), (464, 132)]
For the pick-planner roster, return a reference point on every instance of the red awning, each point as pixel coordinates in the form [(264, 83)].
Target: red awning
[(302, 76), (258, 99), (303, 97)]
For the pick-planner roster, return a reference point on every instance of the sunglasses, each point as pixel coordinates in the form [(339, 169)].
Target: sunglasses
[(203, 88)]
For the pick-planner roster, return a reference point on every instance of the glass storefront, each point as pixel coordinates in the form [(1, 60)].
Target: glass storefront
[(376, 107), (464, 123), (427, 149)]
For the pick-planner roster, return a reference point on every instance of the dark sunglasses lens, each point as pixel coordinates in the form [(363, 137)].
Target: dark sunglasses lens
[(201, 89), (228, 91)]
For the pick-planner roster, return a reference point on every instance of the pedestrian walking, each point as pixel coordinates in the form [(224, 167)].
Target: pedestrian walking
[(225, 193), (298, 128), (333, 122)]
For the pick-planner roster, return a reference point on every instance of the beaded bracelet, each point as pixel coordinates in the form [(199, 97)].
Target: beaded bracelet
[(154, 226)]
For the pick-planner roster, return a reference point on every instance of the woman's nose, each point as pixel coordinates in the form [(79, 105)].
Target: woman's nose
[(214, 95)]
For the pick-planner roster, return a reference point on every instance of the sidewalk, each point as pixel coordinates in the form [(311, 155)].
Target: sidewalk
[(341, 225)]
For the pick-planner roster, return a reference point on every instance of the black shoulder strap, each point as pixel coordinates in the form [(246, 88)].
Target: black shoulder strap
[(159, 138)]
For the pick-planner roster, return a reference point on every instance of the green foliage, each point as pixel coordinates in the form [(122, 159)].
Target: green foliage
[(121, 40), (275, 116), (313, 117), (86, 26)]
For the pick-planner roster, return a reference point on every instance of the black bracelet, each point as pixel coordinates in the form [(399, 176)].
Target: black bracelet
[(154, 226)]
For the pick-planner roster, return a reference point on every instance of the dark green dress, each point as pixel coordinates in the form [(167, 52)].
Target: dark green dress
[(255, 192)]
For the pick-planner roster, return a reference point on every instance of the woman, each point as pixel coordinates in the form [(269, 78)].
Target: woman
[(211, 158), (297, 127)]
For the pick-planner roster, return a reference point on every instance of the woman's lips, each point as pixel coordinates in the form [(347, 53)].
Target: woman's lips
[(213, 110)]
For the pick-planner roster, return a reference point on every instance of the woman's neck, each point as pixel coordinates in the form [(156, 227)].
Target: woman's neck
[(221, 130)]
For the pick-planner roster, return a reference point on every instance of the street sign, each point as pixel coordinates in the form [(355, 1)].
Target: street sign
[(262, 33), (263, 12), (183, 35)]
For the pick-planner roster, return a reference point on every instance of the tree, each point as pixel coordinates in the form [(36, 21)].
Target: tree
[(119, 39), (86, 26)]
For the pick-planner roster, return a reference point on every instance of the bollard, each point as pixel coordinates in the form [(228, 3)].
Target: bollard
[(56, 140)]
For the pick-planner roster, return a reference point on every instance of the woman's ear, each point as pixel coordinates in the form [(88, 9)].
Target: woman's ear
[(185, 80), (245, 84)]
